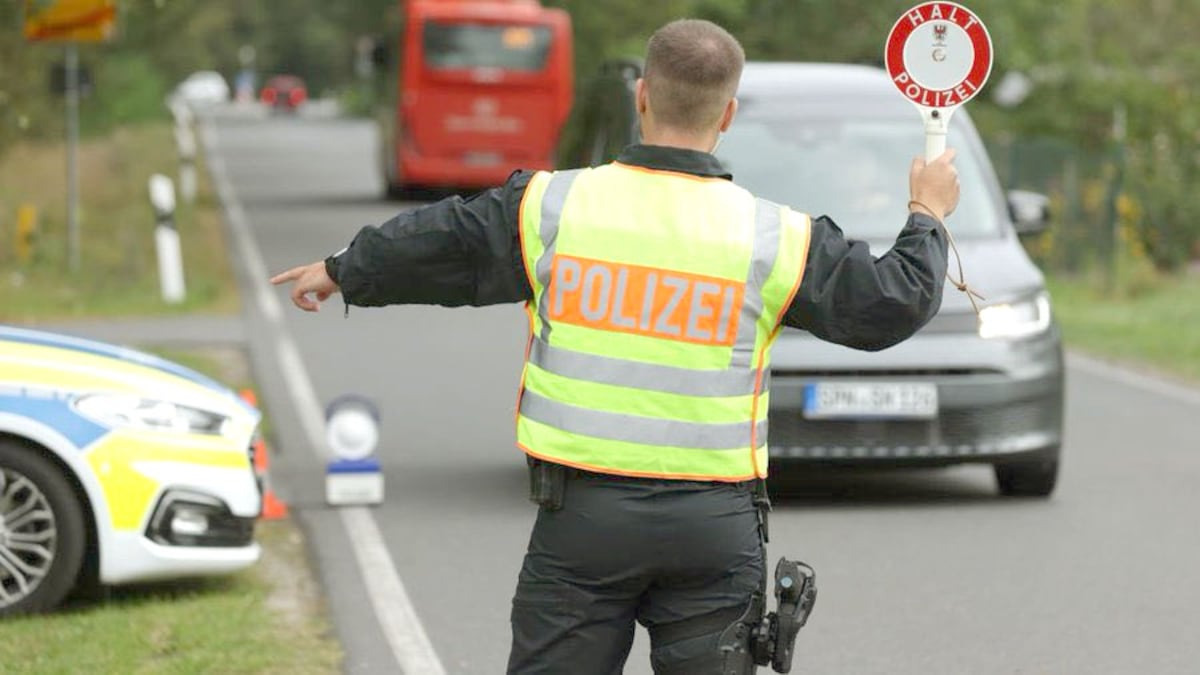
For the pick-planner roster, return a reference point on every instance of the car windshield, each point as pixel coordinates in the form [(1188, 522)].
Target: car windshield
[(853, 170), (464, 45)]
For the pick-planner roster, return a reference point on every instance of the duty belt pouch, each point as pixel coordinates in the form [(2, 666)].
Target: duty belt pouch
[(547, 482), (762, 504)]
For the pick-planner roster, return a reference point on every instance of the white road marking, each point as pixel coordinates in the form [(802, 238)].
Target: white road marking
[(396, 615), (1131, 378)]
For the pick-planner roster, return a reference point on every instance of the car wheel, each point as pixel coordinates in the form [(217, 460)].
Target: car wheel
[(41, 532), (1027, 479)]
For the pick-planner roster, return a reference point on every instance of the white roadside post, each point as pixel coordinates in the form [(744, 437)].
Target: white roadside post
[(352, 476), (166, 239), (939, 55), (185, 138), (185, 141)]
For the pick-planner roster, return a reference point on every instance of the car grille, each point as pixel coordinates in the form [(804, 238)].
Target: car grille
[(957, 432)]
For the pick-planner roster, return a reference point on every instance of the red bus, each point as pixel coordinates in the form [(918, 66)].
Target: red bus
[(483, 87)]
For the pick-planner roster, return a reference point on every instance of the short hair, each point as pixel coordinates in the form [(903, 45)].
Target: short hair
[(692, 70)]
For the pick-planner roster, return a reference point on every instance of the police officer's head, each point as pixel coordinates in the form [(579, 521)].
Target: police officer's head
[(691, 75)]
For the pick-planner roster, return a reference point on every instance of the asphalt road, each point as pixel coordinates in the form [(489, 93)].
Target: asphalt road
[(920, 572)]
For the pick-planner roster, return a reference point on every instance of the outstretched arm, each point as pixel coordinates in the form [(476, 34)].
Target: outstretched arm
[(453, 252)]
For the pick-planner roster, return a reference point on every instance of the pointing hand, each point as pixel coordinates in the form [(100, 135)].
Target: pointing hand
[(309, 279)]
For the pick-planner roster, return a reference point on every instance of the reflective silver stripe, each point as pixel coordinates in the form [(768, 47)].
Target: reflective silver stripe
[(639, 375), (553, 201), (635, 429), (767, 221)]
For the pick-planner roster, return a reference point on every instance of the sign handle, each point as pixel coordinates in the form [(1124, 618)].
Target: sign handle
[(937, 124), (935, 145)]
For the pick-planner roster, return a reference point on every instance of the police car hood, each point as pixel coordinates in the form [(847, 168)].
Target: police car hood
[(64, 363)]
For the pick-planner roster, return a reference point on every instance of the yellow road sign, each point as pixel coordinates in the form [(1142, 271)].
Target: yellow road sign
[(70, 20)]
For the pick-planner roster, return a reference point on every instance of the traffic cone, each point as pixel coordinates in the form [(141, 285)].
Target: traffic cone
[(273, 508)]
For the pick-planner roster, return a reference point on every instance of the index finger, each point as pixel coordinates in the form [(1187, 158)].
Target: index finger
[(947, 156), (290, 275)]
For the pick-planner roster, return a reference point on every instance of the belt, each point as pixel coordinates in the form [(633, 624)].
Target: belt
[(581, 474)]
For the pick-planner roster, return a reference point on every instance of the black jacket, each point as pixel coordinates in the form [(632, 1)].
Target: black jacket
[(467, 252)]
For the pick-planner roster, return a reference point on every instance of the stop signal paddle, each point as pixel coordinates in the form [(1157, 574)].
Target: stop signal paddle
[(939, 55)]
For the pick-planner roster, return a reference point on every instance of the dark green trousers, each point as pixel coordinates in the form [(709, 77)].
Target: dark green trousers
[(621, 550)]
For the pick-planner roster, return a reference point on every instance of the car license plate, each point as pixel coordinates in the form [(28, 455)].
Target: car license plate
[(856, 400)]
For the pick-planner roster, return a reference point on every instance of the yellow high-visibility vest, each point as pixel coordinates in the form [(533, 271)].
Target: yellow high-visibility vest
[(656, 298)]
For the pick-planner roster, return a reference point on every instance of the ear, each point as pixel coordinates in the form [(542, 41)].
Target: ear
[(640, 96), (731, 109)]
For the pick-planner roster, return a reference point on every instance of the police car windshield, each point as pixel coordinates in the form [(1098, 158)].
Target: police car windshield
[(854, 170)]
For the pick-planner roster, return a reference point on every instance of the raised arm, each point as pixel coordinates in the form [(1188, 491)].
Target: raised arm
[(851, 298)]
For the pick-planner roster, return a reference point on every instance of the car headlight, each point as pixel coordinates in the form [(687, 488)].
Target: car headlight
[(124, 410), (1016, 319)]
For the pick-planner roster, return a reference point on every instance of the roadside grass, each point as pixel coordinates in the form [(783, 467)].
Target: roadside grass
[(118, 273), (268, 619), (1156, 327)]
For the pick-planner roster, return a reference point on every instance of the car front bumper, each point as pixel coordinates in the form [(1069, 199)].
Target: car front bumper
[(143, 554), (997, 401), (138, 559)]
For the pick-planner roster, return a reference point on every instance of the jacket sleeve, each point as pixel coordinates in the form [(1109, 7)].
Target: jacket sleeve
[(453, 252), (849, 297)]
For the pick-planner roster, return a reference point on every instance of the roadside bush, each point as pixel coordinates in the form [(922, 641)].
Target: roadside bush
[(1163, 181), (128, 89)]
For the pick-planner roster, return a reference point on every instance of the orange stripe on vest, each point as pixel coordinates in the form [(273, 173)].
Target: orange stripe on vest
[(644, 300)]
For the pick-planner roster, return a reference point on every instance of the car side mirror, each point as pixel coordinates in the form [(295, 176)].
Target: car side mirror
[(1030, 211)]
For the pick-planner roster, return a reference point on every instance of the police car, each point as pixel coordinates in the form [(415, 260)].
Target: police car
[(116, 466)]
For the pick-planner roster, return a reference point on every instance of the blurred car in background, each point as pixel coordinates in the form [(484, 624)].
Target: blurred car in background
[(203, 89), (116, 467), (837, 139), (284, 93)]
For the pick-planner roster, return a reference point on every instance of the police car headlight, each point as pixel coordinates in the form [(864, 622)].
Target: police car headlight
[(134, 412), (1016, 319)]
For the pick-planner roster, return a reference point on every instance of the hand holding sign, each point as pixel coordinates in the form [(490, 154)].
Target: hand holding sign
[(934, 185), (939, 55)]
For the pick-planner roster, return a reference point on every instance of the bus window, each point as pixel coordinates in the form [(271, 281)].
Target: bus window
[(466, 45)]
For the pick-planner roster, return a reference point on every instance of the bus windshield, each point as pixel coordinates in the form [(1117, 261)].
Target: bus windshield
[(466, 45)]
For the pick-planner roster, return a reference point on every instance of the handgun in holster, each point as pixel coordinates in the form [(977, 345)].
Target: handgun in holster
[(547, 483), (795, 595), (772, 637)]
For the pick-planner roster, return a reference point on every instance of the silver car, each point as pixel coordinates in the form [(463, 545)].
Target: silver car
[(838, 140)]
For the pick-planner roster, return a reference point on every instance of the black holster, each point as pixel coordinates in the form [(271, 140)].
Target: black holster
[(547, 483), (795, 594), (769, 639)]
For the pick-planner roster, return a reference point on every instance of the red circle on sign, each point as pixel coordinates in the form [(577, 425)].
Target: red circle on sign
[(961, 91)]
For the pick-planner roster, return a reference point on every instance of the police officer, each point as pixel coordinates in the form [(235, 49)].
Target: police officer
[(655, 287)]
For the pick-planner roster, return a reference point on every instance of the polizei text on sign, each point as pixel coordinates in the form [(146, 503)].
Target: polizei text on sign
[(938, 54)]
